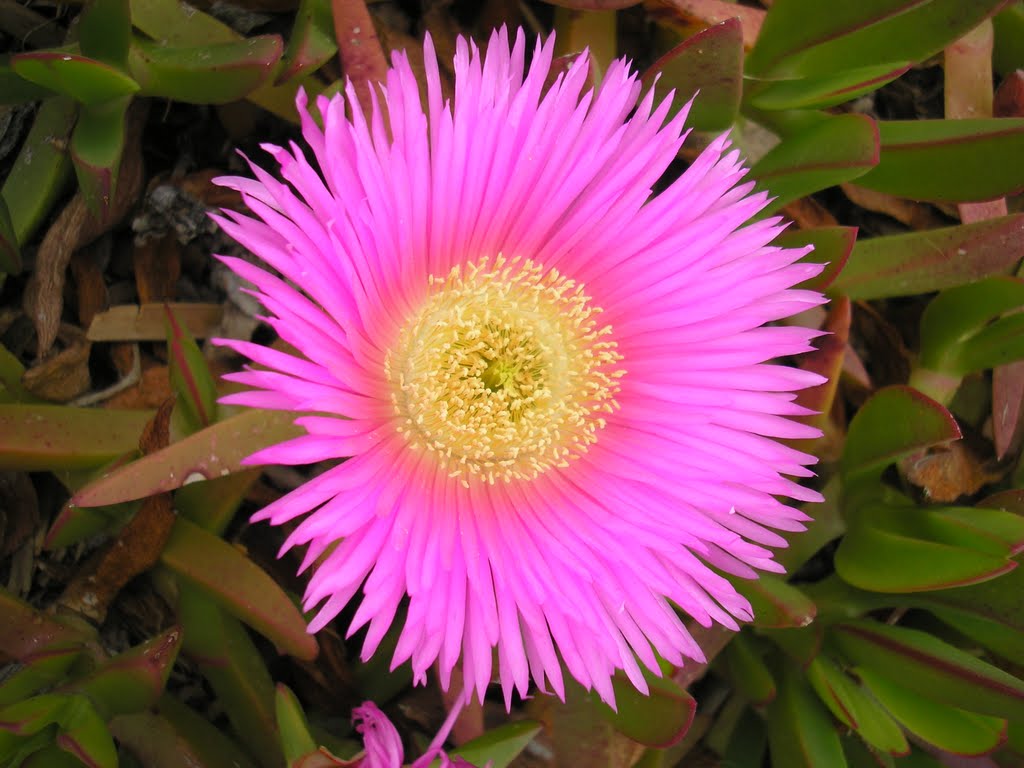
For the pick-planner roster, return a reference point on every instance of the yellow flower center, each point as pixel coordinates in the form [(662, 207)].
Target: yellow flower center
[(503, 372)]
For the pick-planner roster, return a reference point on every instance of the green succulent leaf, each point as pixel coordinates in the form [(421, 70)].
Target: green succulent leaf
[(832, 247), (82, 732), (499, 746), (238, 585), (659, 719), (830, 151), (1008, 47), (213, 452), (14, 89), (949, 160), (961, 331), (312, 42), (889, 548), (212, 504), (800, 733), (41, 170), (931, 260), (895, 422), (10, 254), (96, 147), (776, 603), (176, 736), (930, 667), (296, 740), (105, 31), (37, 671), (944, 726), (711, 63), (85, 80), (853, 707), (825, 90), (214, 73), (191, 378), (746, 668), (37, 438), (131, 681), (805, 37), (235, 670)]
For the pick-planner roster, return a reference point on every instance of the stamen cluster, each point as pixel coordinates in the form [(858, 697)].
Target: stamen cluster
[(503, 372)]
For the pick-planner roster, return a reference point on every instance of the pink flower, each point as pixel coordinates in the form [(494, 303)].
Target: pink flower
[(383, 746), (553, 385)]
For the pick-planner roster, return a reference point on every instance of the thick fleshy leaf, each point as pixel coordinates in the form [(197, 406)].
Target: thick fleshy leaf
[(176, 736), (746, 669), (311, 43), (208, 74), (133, 680), (809, 37), (893, 423), (710, 62), (37, 438), (26, 631), (105, 32), (890, 548), (96, 147), (827, 153), (825, 90), (238, 585), (1008, 48), (42, 168), (215, 451), (960, 332), (235, 670), (83, 79), (181, 25), (14, 89), (951, 161), (832, 247), (191, 378), (296, 740), (40, 670), (800, 733), (854, 708), (213, 503), (499, 746), (82, 732), (944, 726), (659, 719), (776, 603), (997, 637), (930, 667), (921, 262), (10, 254), (595, 5)]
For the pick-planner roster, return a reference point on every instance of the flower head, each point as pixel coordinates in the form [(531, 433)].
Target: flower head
[(551, 387), (382, 746)]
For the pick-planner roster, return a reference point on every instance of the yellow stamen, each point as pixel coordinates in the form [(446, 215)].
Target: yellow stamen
[(503, 372)]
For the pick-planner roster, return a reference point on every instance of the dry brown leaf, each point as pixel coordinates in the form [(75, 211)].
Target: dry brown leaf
[(63, 376), (89, 284), (914, 215), (130, 322), (157, 267), (945, 474), (76, 227)]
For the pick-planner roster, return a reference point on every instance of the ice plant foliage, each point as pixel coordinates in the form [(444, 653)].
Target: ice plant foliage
[(551, 387)]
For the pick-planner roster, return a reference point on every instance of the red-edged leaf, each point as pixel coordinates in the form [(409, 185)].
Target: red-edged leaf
[(949, 160), (921, 262), (215, 451), (710, 62), (238, 585)]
